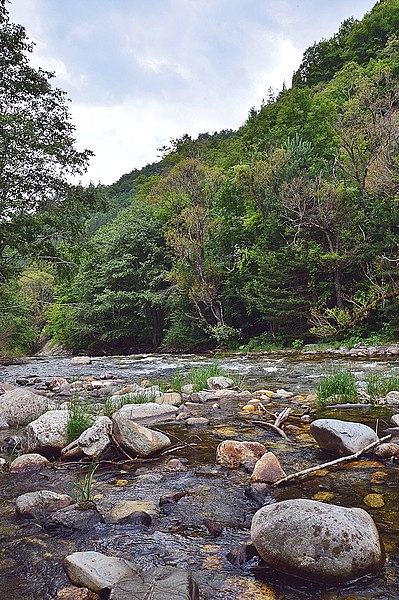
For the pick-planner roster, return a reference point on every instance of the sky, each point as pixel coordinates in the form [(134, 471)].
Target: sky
[(140, 72)]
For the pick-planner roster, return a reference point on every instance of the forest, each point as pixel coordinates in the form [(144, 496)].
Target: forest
[(281, 233)]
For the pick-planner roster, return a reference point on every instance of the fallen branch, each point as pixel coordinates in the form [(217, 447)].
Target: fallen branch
[(271, 426), (331, 463)]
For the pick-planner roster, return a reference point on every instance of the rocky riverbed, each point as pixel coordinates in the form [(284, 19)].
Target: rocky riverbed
[(181, 507)]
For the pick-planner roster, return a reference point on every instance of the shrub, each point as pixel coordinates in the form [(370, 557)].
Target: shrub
[(339, 385)]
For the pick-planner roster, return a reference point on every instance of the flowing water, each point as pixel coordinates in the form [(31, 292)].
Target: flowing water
[(31, 557)]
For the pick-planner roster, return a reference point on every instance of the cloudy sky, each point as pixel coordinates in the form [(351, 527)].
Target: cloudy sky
[(140, 72)]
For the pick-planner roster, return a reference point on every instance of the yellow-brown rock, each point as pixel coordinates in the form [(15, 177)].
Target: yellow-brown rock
[(267, 469)]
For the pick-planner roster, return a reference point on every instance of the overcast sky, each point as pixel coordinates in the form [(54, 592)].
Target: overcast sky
[(140, 72)]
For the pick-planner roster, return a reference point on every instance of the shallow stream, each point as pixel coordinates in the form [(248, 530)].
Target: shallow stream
[(30, 556)]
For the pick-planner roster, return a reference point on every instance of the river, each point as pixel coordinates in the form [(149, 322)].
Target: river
[(31, 557)]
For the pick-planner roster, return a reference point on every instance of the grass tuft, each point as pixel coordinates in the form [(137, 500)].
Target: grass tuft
[(378, 386), (339, 386), (80, 418)]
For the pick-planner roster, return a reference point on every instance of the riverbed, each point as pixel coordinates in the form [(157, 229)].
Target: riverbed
[(30, 556)]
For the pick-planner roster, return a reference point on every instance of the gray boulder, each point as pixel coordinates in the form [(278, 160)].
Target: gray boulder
[(317, 541), (21, 406), (342, 437), (39, 504), (29, 462), (92, 442), (149, 413), (219, 383), (76, 518), (47, 433), (137, 438), (160, 583), (97, 571)]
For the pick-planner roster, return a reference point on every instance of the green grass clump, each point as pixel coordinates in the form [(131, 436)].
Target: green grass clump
[(83, 489), (378, 386), (199, 376), (80, 418), (178, 381), (339, 386)]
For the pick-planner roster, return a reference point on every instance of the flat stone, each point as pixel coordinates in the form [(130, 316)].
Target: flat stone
[(81, 360), (122, 510), (29, 462), (161, 583), (172, 398), (267, 469), (317, 541), (76, 518), (21, 406), (149, 413), (74, 593), (137, 438), (219, 383), (197, 421), (40, 503), (342, 437), (96, 571), (233, 454)]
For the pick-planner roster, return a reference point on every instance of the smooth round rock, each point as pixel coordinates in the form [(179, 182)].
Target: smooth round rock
[(37, 504), (317, 541), (29, 462), (96, 571), (342, 437)]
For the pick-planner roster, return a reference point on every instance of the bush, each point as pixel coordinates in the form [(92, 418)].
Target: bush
[(339, 386), (378, 386)]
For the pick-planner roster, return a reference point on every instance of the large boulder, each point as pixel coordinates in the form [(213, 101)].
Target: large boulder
[(21, 406), (137, 438), (47, 433), (149, 413), (39, 504), (92, 442), (233, 454), (160, 583), (96, 571), (317, 541), (342, 437)]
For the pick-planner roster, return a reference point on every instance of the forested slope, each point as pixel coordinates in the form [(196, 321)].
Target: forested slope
[(283, 231)]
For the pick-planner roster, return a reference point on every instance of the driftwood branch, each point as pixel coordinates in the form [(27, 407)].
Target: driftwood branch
[(279, 420), (331, 463)]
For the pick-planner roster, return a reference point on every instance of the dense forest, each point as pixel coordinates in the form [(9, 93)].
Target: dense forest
[(280, 233)]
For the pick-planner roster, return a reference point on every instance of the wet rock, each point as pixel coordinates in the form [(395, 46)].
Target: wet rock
[(260, 493), (232, 453), (3, 424), (395, 420), (219, 383), (92, 442), (97, 571), (201, 397), (122, 510), (39, 504), (242, 554), (387, 450), (197, 421), (137, 438), (317, 541), (21, 406), (175, 464), (56, 383), (171, 498), (374, 500), (160, 583), (172, 398), (6, 387), (47, 433), (29, 462), (267, 469), (138, 517), (392, 398), (214, 528), (149, 413), (342, 437), (284, 394), (77, 517), (187, 388), (74, 593), (81, 360)]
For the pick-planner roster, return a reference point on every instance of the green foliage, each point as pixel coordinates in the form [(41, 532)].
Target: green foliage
[(338, 387), (378, 386), (178, 381), (80, 418), (84, 486), (199, 376), (297, 344)]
